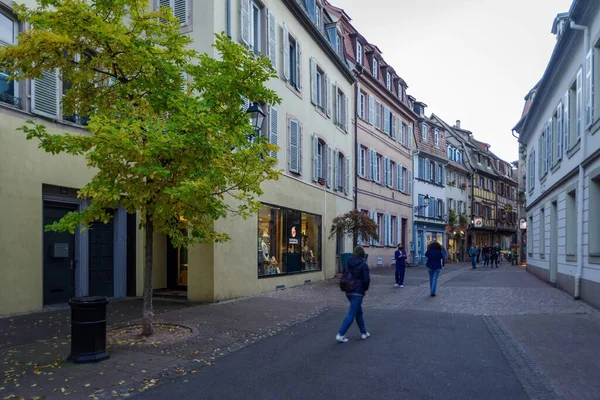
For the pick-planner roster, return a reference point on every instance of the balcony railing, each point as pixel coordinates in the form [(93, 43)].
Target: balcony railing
[(76, 119), (10, 99)]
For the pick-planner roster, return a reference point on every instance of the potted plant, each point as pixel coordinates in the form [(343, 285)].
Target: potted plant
[(321, 181), (463, 186), (354, 224)]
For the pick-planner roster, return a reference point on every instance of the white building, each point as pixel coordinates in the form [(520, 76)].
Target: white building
[(560, 131)]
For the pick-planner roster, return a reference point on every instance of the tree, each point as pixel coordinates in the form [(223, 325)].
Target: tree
[(452, 218), (356, 225), (176, 150)]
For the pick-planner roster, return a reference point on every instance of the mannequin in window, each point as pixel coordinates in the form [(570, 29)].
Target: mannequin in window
[(307, 254)]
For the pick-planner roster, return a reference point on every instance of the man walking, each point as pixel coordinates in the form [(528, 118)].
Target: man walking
[(400, 257), (486, 254), (495, 254)]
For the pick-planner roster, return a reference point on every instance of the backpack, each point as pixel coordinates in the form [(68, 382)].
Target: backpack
[(347, 282)]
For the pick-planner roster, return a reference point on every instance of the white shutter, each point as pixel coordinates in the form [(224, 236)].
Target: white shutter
[(313, 81), (550, 145), (273, 128), (372, 164), (371, 110), (329, 157), (44, 95), (346, 113), (328, 94), (245, 21), (399, 237), (347, 185), (386, 166), (559, 131), (540, 149), (393, 130), (566, 121), (294, 163), (390, 177), (286, 52), (443, 178), (386, 224), (378, 115), (373, 215), (299, 65), (399, 177), (410, 178), (579, 103), (386, 120), (336, 170), (300, 142), (410, 135), (400, 132), (315, 143), (180, 10), (272, 34), (589, 88)]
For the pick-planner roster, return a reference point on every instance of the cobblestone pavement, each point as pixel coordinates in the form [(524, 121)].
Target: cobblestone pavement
[(547, 338)]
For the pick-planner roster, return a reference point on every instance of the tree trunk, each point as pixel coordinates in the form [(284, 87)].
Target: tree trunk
[(148, 312)]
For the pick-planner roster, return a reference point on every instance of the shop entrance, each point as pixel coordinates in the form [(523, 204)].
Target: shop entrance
[(177, 268)]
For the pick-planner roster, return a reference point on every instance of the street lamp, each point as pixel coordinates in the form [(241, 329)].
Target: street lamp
[(425, 204), (257, 116)]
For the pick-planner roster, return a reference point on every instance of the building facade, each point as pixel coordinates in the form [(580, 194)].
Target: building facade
[(560, 131), (430, 160), (384, 129)]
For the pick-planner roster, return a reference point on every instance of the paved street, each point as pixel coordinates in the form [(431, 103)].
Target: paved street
[(493, 334)]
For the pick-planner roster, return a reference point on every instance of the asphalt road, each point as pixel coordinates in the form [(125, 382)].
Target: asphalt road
[(411, 354)]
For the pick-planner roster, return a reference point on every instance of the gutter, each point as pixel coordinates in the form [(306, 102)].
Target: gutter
[(228, 19)]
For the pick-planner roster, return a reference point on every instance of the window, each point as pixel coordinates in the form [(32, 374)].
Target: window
[(320, 90), (531, 171), (401, 178), (362, 105), (440, 209), (594, 215), (392, 234), (482, 182), (571, 224), (375, 68), (342, 115), (387, 123), (256, 28), (424, 132), (400, 92), (362, 162), (380, 228), (319, 159), (436, 137), (180, 9), (295, 146), (339, 43), (378, 162), (359, 53), (491, 185), (478, 158), (312, 9), (292, 59), (388, 81), (542, 234), (289, 241), (9, 91), (377, 115), (339, 171)]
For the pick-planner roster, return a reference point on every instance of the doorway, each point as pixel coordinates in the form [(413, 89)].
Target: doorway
[(59, 256), (102, 259), (553, 242), (177, 267)]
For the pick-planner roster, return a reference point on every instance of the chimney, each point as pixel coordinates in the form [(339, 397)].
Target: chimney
[(457, 124)]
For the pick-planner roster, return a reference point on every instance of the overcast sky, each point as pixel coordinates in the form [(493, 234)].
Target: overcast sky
[(472, 60)]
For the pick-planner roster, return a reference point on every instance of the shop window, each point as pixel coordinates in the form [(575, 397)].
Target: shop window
[(289, 241)]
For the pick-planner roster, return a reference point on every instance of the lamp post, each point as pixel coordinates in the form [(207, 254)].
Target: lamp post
[(424, 206), (257, 117)]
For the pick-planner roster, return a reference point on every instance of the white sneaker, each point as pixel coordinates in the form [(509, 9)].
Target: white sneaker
[(341, 339), (396, 285), (401, 285), (365, 335)]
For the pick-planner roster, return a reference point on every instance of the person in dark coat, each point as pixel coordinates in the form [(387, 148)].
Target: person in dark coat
[(400, 257), (359, 269), (434, 264)]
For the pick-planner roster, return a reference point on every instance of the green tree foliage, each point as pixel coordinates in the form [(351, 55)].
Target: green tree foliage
[(356, 225), (173, 148)]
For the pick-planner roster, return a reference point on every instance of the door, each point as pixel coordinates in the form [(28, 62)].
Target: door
[(553, 242), (102, 265), (58, 257)]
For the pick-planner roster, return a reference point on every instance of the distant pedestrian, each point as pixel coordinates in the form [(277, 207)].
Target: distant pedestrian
[(400, 257), (478, 253), (444, 255), (486, 254), (359, 271), (434, 265), (473, 254), (495, 255)]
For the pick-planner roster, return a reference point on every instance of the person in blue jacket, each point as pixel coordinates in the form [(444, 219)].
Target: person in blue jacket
[(360, 271), (434, 264), (400, 257)]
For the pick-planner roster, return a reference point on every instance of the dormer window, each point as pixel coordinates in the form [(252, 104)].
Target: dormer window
[(359, 53), (424, 132), (339, 40), (400, 92), (375, 68), (388, 81)]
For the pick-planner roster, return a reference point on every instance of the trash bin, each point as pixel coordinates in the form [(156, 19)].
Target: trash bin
[(88, 329)]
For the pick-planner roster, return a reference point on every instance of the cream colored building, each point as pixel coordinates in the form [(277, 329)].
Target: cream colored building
[(285, 245)]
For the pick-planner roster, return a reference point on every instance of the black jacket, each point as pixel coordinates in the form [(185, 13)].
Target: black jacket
[(360, 271)]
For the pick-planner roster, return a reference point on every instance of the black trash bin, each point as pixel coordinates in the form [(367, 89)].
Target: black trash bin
[(88, 329)]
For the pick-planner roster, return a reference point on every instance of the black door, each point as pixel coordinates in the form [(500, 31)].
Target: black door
[(59, 257), (102, 266)]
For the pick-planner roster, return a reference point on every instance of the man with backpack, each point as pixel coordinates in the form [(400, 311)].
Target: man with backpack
[(495, 252)]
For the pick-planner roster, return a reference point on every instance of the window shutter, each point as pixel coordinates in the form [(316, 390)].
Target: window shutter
[(399, 230), (180, 10), (328, 94), (540, 142), (315, 143), (272, 39), (273, 128), (329, 157), (372, 164), (566, 121), (245, 21), (313, 81), (300, 147), (360, 159), (44, 94), (286, 52), (336, 170), (410, 178), (294, 163), (346, 113), (373, 216), (386, 120), (579, 103), (550, 145), (393, 130), (443, 209), (371, 109), (410, 135), (400, 131), (399, 177), (443, 177), (559, 131), (336, 103), (347, 185), (299, 65), (386, 166), (589, 88), (388, 219)]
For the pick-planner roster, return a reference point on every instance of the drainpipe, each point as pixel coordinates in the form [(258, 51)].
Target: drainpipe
[(577, 289), (358, 72), (228, 22), (412, 209)]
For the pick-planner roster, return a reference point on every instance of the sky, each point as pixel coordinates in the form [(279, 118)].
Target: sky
[(472, 60)]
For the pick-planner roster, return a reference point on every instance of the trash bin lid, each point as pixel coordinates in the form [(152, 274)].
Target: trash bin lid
[(89, 299)]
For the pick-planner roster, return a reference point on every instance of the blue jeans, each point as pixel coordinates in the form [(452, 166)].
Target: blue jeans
[(400, 271), (474, 261), (354, 312), (433, 278)]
